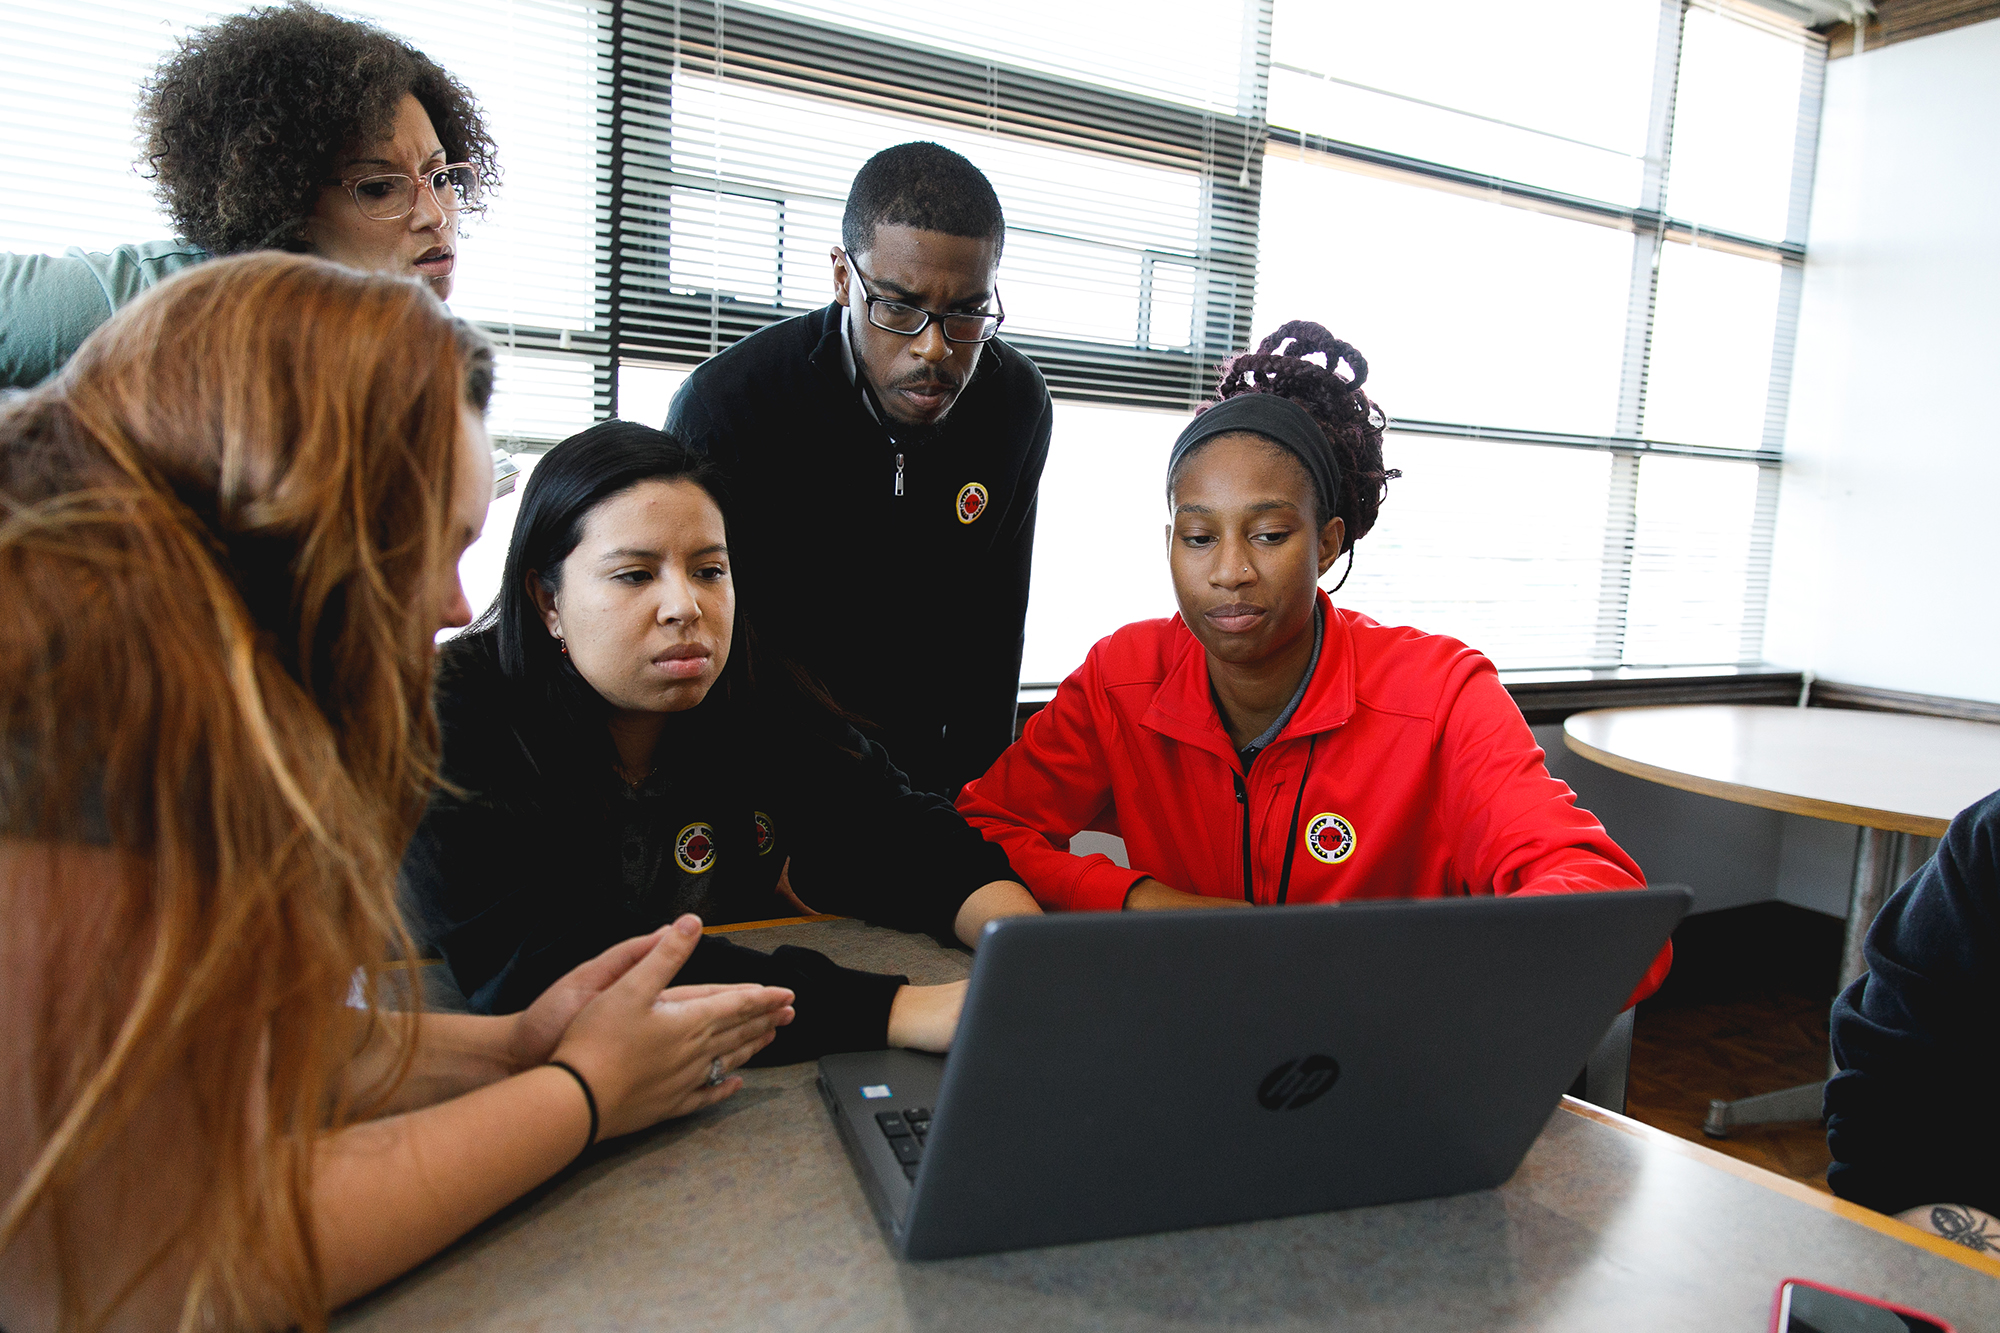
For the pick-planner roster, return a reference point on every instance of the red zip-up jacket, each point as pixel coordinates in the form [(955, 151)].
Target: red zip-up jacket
[(1406, 772)]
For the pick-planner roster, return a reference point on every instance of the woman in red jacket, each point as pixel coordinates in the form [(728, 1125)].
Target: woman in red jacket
[(1265, 746)]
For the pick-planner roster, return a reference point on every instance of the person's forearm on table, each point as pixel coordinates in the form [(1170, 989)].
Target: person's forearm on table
[(437, 1172), (989, 902), (925, 1018), (1149, 895), (1958, 1223), (455, 1054)]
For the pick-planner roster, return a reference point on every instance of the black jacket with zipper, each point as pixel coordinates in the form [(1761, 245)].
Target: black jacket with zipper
[(519, 870), (910, 614)]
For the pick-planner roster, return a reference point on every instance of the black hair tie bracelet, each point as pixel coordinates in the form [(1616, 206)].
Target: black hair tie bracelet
[(589, 1099)]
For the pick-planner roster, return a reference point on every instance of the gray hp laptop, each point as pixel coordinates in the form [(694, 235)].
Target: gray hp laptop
[(1118, 1073)]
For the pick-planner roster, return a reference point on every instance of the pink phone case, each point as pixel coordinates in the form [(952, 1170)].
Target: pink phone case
[(1778, 1300)]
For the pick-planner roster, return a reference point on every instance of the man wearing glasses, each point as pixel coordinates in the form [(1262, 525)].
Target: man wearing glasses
[(882, 456)]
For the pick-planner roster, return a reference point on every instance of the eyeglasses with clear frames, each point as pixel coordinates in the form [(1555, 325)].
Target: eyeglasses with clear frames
[(393, 196), (909, 320)]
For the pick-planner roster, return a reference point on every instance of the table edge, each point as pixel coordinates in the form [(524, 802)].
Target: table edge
[(735, 926), (1792, 1189), (1784, 802)]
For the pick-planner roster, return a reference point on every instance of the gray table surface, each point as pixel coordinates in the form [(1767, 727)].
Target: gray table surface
[(748, 1216)]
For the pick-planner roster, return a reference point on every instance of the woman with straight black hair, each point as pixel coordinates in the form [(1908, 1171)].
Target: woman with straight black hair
[(615, 754)]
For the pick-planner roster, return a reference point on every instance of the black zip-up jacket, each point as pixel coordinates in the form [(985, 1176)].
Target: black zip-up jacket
[(1907, 1116), (910, 612), (542, 857)]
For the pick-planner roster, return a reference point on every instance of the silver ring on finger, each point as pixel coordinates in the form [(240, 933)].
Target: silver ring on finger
[(715, 1071)]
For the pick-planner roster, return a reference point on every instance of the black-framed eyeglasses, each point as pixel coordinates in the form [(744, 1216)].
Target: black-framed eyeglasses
[(393, 196), (909, 320)]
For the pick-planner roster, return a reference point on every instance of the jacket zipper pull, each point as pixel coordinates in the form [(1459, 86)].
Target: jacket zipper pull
[(899, 474)]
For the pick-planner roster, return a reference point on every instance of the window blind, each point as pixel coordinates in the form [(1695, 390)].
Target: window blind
[(1744, 86), (1180, 53), (1132, 221), (69, 84), (1504, 250), (1501, 546), (1570, 241), (528, 269), (1557, 94)]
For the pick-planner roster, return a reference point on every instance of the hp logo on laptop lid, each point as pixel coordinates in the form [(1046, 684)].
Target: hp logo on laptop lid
[(1297, 1083)]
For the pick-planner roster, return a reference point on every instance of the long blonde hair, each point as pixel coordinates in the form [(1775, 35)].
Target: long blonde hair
[(222, 529)]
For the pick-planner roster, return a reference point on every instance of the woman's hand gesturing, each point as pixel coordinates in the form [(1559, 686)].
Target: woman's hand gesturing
[(540, 1028), (647, 1050)]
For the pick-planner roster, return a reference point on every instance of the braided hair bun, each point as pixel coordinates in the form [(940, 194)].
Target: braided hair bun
[(1351, 421)]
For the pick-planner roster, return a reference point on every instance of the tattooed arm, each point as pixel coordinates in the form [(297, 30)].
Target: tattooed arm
[(1957, 1223)]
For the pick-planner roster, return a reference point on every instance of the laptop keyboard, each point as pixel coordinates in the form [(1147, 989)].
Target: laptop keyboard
[(906, 1131)]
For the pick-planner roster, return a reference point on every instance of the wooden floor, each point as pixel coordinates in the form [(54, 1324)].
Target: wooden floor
[(1744, 1012)]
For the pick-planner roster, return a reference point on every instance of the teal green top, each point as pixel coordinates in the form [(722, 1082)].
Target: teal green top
[(50, 303)]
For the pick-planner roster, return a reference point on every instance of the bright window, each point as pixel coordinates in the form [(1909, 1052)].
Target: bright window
[(1083, 231), (1501, 546), (1736, 120), (1100, 533), (1466, 311), (1554, 300), (1187, 51), (1553, 94), (1709, 381), (1693, 554), (69, 82), (1583, 391)]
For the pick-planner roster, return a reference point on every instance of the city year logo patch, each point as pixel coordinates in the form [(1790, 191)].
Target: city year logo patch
[(971, 501), (694, 849), (767, 834), (1330, 838)]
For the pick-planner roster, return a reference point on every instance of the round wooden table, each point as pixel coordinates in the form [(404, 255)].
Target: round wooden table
[(1899, 777)]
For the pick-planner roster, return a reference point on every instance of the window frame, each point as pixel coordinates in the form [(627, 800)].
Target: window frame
[(1653, 229)]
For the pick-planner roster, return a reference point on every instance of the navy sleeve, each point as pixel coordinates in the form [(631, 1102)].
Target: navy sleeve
[(1915, 1040), (507, 905), (981, 724), (690, 421), (868, 846), (836, 1009)]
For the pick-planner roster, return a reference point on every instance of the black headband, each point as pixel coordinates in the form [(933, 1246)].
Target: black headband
[(1279, 420)]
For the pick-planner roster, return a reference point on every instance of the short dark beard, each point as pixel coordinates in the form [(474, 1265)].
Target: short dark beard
[(915, 434)]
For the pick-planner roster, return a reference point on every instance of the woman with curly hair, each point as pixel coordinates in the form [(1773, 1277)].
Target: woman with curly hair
[(283, 128), (1266, 746), (230, 531)]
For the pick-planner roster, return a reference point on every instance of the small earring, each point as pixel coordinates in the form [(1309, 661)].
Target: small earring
[(562, 645)]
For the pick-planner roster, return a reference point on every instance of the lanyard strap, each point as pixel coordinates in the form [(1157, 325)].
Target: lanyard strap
[(1292, 838)]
